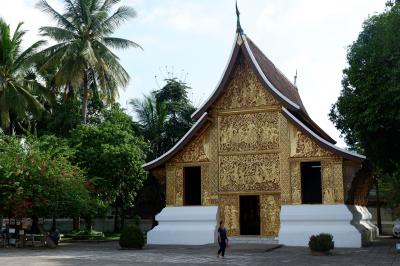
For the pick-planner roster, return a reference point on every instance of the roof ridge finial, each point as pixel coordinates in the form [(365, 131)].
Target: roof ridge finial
[(295, 79), (238, 26)]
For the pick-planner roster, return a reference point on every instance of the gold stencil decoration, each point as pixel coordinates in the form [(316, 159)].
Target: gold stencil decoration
[(248, 132), (332, 181), (270, 213), (229, 213), (303, 146), (284, 154), (247, 172), (205, 185), (213, 166), (195, 151), (179, 186), (295, 175), (244, 90), (170, 193)]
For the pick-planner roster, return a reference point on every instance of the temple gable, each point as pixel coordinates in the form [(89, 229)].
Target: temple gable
[(244, 90)]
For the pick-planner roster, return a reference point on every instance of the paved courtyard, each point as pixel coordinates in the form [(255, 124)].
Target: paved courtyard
[(381, 252)]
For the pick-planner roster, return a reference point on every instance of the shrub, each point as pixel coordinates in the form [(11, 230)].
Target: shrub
[(322, 242), (131, 237)]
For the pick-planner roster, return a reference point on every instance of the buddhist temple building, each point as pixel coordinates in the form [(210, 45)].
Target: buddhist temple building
[(255, 159)]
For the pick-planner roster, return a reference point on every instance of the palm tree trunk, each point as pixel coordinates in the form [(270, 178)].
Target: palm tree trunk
[(85, 97), (6, 123)]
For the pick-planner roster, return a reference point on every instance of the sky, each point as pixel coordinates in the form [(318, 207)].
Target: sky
[(192, 40)]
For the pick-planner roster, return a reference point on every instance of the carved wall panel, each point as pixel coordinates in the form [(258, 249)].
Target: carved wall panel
[(244, 90), (229, 212), (178, 186), (248, 172), (303, 146), (170, 186), (284, 154), (205, 185), (332, 181), (195, 151), (213, 166), (270, 207), (249, 132), (295, 175)]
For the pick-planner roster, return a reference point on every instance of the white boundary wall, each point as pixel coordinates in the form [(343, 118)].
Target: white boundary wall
[(188, 225), (299, 222)]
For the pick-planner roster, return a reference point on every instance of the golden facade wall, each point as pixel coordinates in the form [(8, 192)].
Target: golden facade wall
[(249, 147), (249, 172), (249, 132), (250, 159), (270, 208), (229, 212), (244, 91)]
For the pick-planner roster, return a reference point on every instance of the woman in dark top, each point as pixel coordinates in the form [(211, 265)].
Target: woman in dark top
[(222, 239)]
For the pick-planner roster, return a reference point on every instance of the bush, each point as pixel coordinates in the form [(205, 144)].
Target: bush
[(131, 237), (322, 242)]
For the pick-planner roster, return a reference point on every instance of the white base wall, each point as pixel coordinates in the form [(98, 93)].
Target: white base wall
[(188, 225), (299, 222)]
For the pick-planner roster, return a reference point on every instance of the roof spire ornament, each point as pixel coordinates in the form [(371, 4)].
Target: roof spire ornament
[(238, 27), (295, 79)]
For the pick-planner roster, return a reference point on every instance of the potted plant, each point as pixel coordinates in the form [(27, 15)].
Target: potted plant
[(321, 244)]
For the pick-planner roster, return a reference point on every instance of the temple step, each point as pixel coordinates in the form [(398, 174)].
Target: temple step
[(253, 240)]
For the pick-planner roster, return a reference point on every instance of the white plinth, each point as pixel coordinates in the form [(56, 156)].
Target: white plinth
[(194, 225), (299, 222)]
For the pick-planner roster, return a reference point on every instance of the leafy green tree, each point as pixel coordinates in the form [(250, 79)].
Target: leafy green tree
[(163, 118), (179, 111), (16, 83), (151, 115), (37, 180), (367, 112), (82, 56), (112, 157)]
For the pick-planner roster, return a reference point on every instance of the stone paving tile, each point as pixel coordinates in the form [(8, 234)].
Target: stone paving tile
[(102, 254)]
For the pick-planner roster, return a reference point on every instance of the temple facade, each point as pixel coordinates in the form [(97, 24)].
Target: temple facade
[(254, 150)]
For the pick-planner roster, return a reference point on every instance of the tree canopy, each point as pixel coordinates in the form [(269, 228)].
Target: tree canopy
[(83, 56), (367, 112), (37, 180), (16, 83), (112, 155)]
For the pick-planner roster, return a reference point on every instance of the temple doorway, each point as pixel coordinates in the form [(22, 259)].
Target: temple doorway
[(311, 188), (192, 185), (249, 215)]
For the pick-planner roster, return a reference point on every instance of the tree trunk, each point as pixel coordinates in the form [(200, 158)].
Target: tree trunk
[(85, 96), (378, 207), (88, 224), (76, 223), (116, 218), (6, 123), (122, 217)]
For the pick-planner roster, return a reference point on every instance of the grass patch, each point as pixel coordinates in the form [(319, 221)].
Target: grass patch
[(93, 235)]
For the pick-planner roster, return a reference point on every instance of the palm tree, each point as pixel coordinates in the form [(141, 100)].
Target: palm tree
[(151, 115), (16, 82), (82, 54)]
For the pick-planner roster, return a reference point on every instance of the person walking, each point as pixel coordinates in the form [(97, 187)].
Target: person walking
[(222, 239)]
